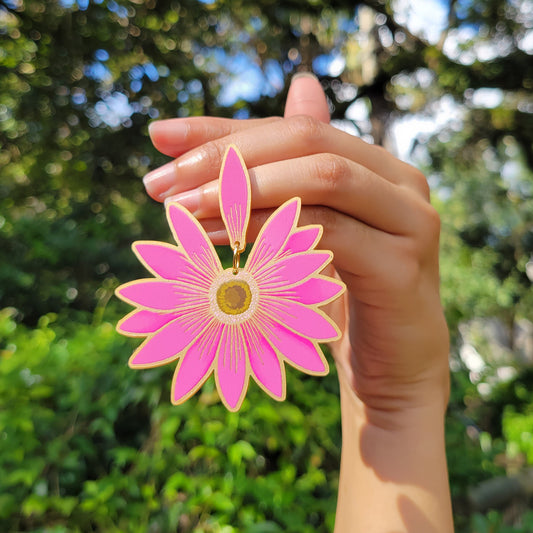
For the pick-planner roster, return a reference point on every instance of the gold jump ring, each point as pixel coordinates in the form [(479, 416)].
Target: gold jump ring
[(236, 257)]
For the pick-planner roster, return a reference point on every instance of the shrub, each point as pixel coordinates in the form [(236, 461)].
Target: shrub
[(90, 445)]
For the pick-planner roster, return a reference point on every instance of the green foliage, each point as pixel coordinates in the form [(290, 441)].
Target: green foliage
[(493, 523), (487, 229), (88, 444), (517, 428)]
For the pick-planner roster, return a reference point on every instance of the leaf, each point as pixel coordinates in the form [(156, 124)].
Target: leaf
[(239, 451)]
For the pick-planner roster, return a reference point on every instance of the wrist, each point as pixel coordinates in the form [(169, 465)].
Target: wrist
[(399, 455), (399, 412)]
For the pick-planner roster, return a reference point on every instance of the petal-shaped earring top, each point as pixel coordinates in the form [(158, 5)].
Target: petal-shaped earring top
[(235, 197)]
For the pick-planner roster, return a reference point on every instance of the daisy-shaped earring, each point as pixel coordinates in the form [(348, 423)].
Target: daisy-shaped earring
[(236, 322)]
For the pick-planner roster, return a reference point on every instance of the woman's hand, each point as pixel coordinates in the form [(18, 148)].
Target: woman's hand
[(377, 220)]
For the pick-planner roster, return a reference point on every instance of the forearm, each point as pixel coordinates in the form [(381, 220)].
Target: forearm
[(393, 479)]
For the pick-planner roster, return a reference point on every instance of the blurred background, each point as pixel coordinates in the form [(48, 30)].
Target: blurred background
[(87, 444)]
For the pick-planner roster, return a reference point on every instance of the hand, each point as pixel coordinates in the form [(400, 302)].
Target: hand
[(377, 220)]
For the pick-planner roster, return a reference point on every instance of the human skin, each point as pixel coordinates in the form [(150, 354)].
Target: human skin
[(392, 358)]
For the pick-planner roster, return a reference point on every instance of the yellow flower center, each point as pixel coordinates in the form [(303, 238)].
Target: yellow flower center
[(234, 297)]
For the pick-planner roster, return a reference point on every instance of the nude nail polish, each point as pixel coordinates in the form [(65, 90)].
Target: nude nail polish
[(188, 199), (160, 180), (169, 132), (304, 74)]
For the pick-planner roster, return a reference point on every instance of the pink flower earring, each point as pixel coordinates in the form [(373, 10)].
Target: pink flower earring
[(236, 322)]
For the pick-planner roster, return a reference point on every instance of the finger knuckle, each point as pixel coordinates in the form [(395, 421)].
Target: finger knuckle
[(415, 251), (211, 153), (214, 129), (330, 172), (432, 222), (308, 129), (420, 183), (424, 237)]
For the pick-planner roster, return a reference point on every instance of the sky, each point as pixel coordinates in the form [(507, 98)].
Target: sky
[(242, 78), (425, 18)]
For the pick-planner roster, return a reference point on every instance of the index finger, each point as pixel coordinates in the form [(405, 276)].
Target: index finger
[(175, 136), (276, 140)]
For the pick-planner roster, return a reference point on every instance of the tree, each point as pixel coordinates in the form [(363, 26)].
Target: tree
[(79, 82)]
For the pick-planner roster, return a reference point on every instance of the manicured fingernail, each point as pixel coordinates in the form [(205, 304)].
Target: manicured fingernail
[(169, 132), (190, 160), (188, 199), (303, 74), (218, 236), (158, 181)]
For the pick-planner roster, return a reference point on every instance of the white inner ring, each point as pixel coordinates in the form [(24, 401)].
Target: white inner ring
[(224, 277)]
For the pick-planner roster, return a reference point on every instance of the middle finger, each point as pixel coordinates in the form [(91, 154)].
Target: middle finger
[(320, 179)]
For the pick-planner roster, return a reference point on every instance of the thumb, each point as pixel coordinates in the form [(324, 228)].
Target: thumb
[(306, 97)]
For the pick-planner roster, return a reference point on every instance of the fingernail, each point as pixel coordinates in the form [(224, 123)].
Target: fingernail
[(190, 159), (304, 74), (169, 132), (158, 181), (218, 236), (188, 199)]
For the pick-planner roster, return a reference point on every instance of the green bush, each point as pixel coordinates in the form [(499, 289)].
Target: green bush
[(493, 523), (90, 445)]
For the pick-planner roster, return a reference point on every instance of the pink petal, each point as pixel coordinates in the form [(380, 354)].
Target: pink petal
[(264, 363), (317, 290), (232, 371), (195, 366), (160, 295), (300, 352), (273, 234), (235, 196), (142, 322), (164, 260), (166, 344), (302, 240), (191, 236), (291, 270), (310, 323)]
